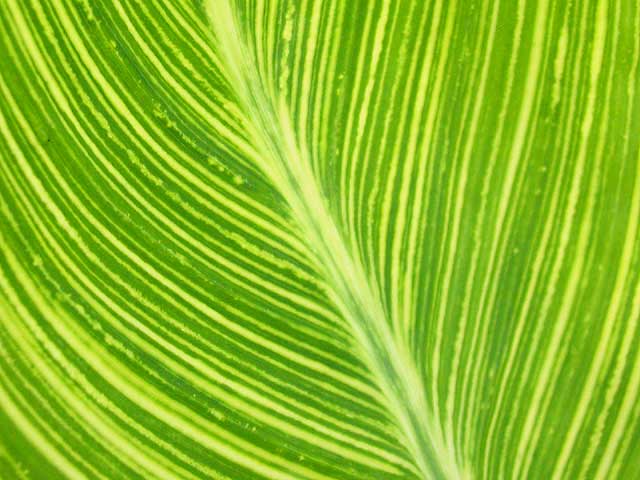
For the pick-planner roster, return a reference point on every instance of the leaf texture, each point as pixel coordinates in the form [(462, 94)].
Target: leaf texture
[(319, 239)]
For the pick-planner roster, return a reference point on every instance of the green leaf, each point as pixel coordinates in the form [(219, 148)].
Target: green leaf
[(319, 239)]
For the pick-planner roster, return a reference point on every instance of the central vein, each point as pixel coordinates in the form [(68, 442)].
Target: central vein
[(290, 170)]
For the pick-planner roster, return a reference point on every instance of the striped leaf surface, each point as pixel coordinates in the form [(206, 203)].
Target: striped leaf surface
[(319, 239)]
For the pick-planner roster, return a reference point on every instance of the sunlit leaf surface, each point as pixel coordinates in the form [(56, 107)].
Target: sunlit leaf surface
[(319, 239)]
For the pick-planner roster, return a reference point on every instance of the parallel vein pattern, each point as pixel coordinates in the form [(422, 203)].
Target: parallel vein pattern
[(319, 239)]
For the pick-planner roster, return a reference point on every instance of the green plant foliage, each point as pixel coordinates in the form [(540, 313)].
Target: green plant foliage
[(319, 239)]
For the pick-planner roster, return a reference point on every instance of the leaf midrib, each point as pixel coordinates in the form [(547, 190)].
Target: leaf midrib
[(291, 173)]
